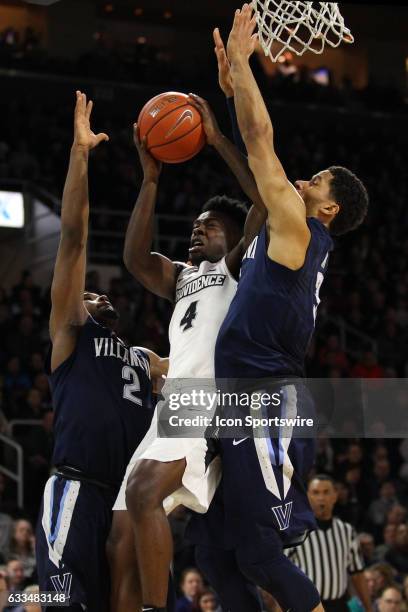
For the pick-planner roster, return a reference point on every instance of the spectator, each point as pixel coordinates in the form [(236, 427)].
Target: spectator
[(33, 407), (41, 383), (390, 600), (191, 585), (371, 584), (389, 534), (384, 577), (22, 546), (396, 515), (39, 446), (24, 340), (379, 508), (367, 547), (36, 364), (207, 601), (381, 474), (367, 367), (16, 383), (397, 556), (15, 573), (332, 356)]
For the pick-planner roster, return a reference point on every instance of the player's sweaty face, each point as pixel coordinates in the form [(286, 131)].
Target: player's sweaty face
[(316, 190), (208, 238), (99, 307)]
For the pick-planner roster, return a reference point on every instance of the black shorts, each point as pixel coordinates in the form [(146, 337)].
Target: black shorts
[(73, 527), (263, 490)]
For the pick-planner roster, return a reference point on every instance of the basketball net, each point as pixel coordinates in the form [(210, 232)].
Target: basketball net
[(284, 25)]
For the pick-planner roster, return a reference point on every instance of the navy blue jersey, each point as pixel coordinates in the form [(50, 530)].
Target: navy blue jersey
[(102, 398), (271, 319)]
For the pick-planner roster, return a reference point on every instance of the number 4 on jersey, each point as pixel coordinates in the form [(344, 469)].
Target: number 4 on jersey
[(189, 316)]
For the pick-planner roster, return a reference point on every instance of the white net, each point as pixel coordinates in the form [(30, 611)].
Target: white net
[(284, 25)]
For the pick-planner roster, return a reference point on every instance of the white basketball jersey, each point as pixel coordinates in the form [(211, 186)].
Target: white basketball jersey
[(203, 296)]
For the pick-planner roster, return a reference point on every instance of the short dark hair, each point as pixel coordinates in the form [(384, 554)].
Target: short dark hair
[(322, 478), (352, 197), (234, 209)]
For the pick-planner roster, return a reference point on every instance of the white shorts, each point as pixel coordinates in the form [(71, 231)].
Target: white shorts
[(201, 476)]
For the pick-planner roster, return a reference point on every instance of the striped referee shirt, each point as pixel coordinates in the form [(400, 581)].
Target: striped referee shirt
[(328, 556)]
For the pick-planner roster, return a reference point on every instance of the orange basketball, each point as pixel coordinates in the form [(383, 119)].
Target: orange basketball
[(172, 127)]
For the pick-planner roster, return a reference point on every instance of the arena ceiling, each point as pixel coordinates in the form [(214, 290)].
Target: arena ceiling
[(368, 16)]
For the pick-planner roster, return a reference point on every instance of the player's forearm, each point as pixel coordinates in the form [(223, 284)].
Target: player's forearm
[(360, 585), (75, 199), (239, 143), (252, 114), (238, 165), (140, 231)]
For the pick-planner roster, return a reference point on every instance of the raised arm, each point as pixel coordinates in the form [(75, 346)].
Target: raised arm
[(226, 85), (238, 164), (68, 312), (286, 209), (154, 271)]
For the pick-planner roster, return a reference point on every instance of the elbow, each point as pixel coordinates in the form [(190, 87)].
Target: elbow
[(73, 238), (258, 132), (133, 262), (129, 262)]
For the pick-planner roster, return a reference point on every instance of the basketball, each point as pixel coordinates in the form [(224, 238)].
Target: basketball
[(173, 129)]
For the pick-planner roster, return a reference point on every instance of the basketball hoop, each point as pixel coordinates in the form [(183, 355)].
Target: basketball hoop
[(284, 25)]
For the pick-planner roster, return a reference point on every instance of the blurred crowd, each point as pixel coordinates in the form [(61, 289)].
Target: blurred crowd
[(141, 61), (366, 291)]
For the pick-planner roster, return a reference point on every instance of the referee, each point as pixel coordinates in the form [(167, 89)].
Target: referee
[(331, 553)]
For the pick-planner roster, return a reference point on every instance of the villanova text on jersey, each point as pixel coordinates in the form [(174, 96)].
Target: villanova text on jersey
[(103, 404), (270, 322)]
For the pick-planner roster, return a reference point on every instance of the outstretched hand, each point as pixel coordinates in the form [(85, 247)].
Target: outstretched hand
[(151, 166), (242, 40), (224, 68), (83, 135), (210, 125)]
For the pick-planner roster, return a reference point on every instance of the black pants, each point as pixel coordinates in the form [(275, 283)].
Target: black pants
[(336, 605)]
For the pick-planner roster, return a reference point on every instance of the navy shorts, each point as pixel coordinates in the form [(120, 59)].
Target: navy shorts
[(73, 527), (264, 484)]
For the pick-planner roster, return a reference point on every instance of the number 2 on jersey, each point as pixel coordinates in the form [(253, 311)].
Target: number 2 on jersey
[(189, 316), (128, 373)]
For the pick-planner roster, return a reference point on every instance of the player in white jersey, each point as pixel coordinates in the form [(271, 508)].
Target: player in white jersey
[(179, 470)]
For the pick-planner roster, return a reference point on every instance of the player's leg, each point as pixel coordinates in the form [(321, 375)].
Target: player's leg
[(71, 536), (267, 566), (218, 563), (126, 592), (220, 568), (149, 483)]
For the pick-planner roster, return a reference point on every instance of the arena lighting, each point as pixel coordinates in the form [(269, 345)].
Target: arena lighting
[(42, 2), (11, 209)]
